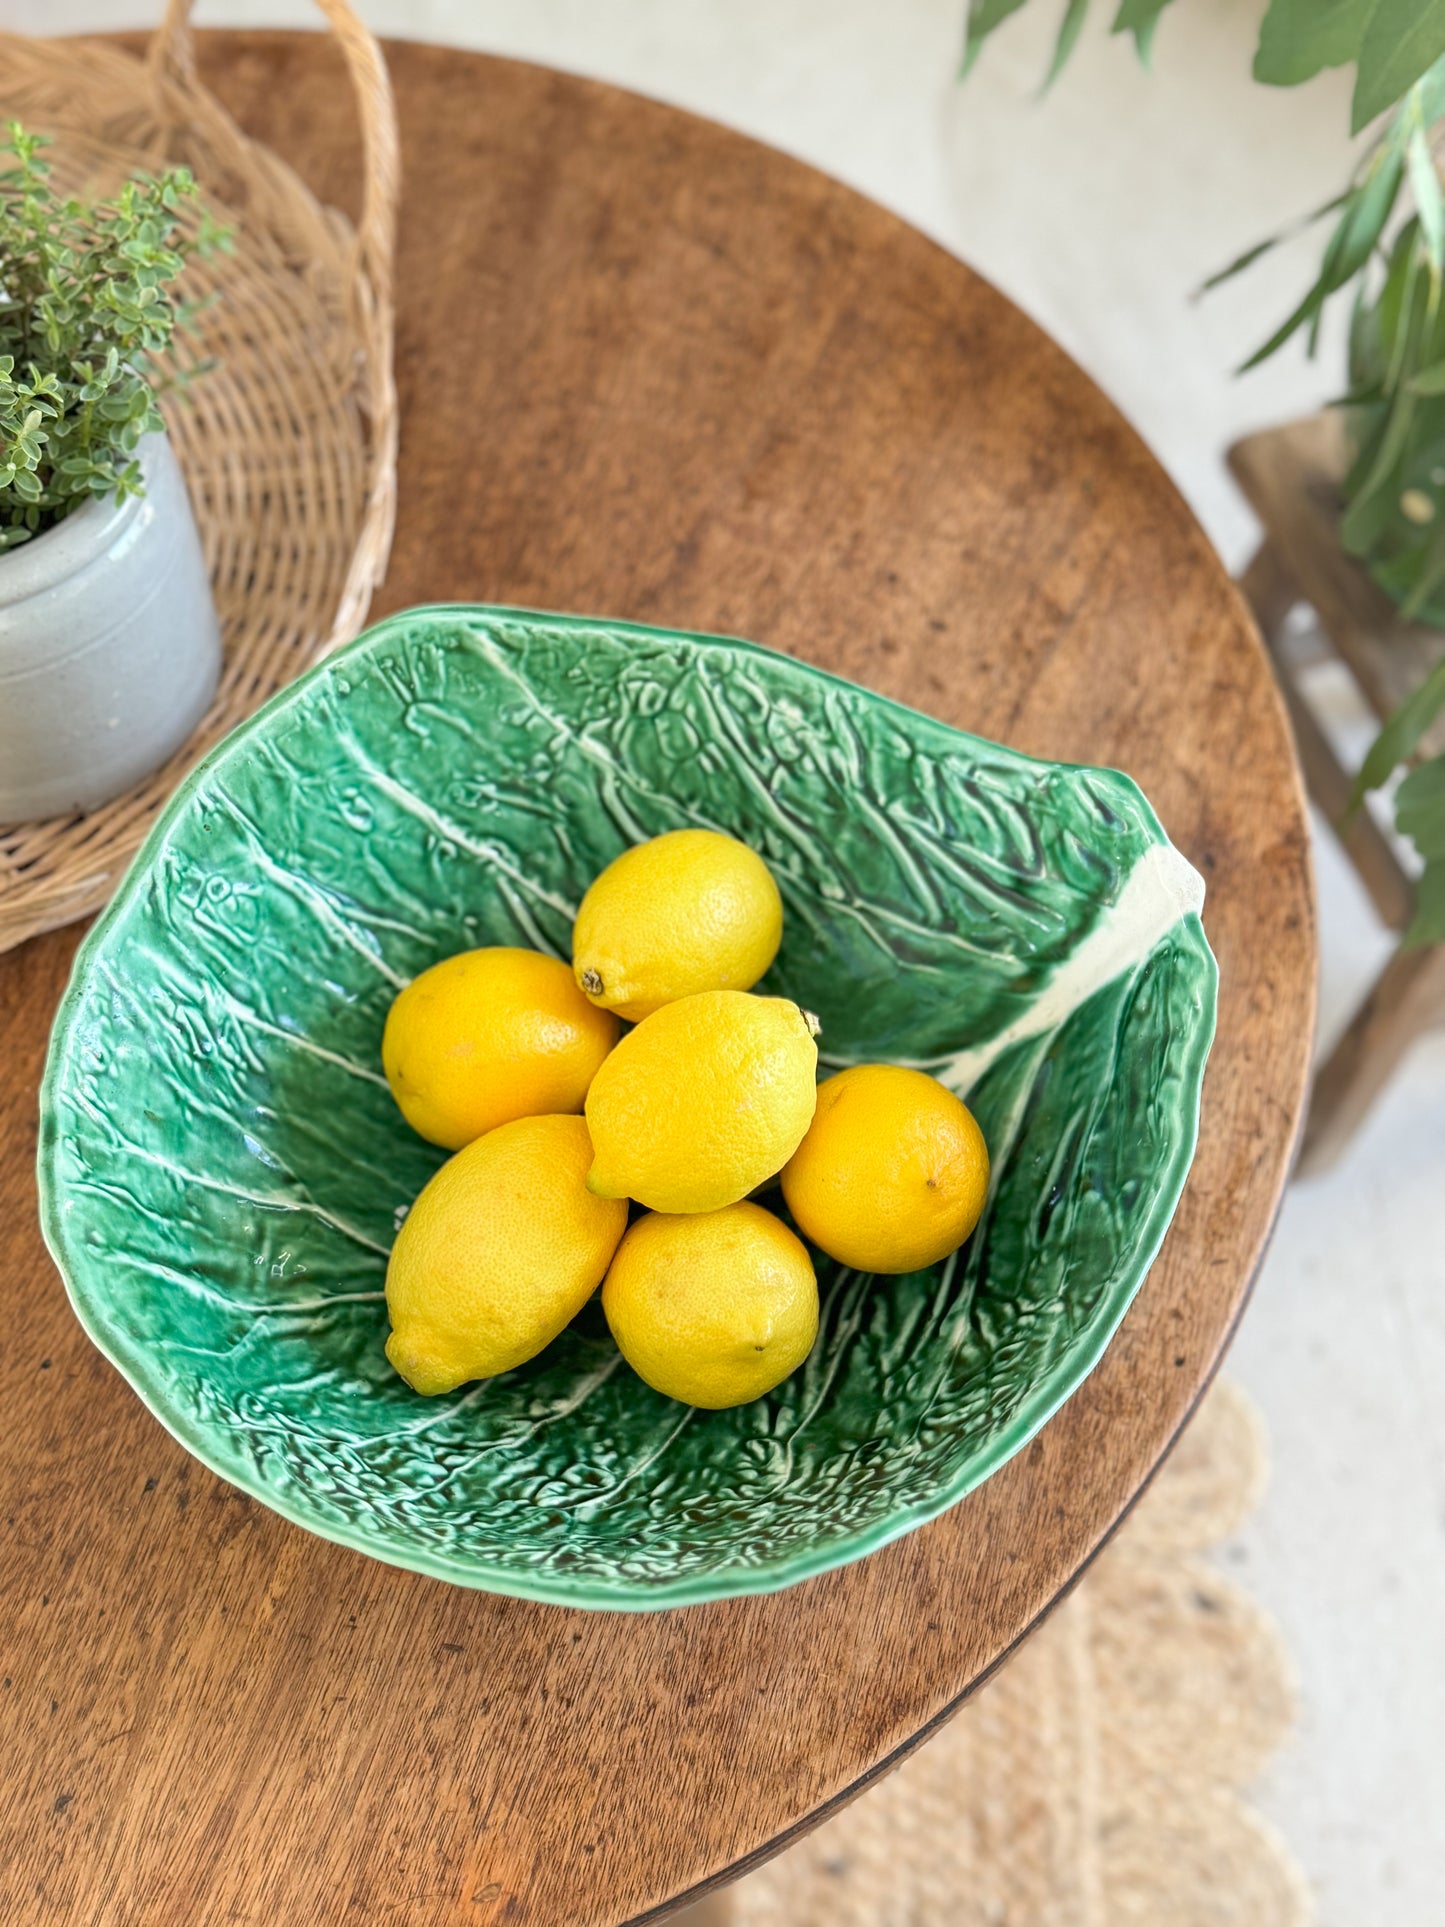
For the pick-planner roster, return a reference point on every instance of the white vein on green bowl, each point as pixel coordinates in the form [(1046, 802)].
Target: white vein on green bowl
[(1161, 889)]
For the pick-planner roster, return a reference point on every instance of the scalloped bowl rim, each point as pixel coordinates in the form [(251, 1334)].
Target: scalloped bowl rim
[(722, 1582)]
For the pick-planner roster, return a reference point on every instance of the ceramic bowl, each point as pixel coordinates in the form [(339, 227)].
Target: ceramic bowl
[(223, 1170)]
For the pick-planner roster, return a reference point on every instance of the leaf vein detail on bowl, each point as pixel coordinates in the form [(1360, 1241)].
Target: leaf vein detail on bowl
[(223, 1169)]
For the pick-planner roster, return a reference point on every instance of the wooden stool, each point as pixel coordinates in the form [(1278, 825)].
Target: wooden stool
[(1291, 476)]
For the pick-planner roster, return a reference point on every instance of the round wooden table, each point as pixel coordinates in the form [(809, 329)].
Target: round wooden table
[(651, 369)]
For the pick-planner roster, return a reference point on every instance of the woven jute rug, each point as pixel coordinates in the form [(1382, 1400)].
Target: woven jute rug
[(1099, 1780)]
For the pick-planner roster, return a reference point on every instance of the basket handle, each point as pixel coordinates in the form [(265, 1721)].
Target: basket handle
[(173, 56)]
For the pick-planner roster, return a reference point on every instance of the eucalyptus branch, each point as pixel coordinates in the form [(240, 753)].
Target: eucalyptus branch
[(1385, 251)]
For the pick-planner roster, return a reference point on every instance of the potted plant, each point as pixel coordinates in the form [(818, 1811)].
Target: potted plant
[(1393, 516), (109, 646)]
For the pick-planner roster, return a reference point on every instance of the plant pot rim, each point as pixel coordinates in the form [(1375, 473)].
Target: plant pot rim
[(85, 537)]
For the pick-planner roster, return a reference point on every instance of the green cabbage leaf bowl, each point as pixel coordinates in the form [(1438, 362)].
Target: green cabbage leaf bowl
[(223, 1170)]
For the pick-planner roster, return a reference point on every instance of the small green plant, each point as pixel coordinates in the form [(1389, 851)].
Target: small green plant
[(87, 314)]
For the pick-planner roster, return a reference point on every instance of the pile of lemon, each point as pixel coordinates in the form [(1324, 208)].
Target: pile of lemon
[(710, 1097)]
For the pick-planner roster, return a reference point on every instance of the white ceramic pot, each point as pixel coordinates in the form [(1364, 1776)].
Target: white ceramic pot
[(109, 646)]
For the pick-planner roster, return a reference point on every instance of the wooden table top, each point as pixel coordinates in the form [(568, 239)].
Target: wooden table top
[(653, 370)]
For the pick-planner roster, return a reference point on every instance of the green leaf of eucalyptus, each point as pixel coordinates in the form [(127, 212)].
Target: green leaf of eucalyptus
[(1299, 38), (1401, 733), (1431, 572), (984, 16), (1403, 40), (1366, 209), (1241, 262), (1427, 97), (1429, 201), (1428, 924), (1253, 254), (1140, 18), (1420, 808), (1305, 312), (1364, 397), (1070, 27), (1376, 470), (1399, 306)]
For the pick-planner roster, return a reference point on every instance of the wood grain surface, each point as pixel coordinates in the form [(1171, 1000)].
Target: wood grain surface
[(649, 369)]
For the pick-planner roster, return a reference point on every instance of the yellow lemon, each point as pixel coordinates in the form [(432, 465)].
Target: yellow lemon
[(893, 1173), (502, 1249), (488, 1036), (692, 910), (715, 1308), (703, 1101)]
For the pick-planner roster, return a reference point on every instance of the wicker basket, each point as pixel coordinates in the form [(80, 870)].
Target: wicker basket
[(288, 445)]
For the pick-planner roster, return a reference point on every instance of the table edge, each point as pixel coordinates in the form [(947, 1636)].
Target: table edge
[(136, 40)]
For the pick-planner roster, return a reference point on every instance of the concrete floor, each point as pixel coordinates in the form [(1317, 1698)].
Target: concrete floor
[(1100, 211)]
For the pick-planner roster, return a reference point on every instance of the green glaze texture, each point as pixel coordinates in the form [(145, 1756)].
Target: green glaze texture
[(223, 1170)]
